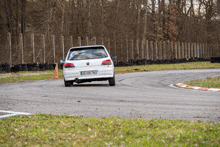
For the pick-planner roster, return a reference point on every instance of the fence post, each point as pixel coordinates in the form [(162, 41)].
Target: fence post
[(168, 49), (137, 48), (132, 49), (194, 50), (151, 50), (160, 51), (206, 50), (43, 44), (94, 43), (9, 47), (21, 47), (127, 47), (142, 49), (209, 48), (191, 49), (121, 50), (32, 46), (217, 50), (182, 48), (147, 50), (71, 41), (171, 49), (176, 50), (109, 46), (201, 46), (185, 49), (115, 48), (53, 42), (156, 50), (79, 41), (179, 50), (87, 41), (62, 46), (163, 50)]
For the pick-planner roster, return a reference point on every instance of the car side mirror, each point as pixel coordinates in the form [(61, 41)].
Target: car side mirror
[(62, 61), (114, 57)]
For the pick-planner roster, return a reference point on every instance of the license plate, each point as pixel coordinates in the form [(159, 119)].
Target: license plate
[(85, 73)]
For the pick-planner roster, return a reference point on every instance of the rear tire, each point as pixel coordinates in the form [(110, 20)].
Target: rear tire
[(112, 81), (67, 83)]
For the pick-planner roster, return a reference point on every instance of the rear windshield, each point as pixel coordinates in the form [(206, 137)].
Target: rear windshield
[(87, 53)]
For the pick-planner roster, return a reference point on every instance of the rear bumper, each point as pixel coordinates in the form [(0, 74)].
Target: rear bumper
[(102, 74)]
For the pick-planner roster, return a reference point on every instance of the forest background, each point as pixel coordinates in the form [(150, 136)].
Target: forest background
[(191, 21)]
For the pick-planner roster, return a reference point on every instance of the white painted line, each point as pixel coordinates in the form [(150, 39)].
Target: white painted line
[(21, 113), (184, 86), (12, 113), (196, 87), (213, 89)]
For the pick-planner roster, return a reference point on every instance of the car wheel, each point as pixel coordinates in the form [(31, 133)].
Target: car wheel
[(67, 83), (112, 81)]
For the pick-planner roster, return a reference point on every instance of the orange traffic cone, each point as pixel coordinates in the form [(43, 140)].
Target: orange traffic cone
[(55, 74)]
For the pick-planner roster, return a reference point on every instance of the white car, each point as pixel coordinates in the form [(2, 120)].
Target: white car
[(88, 63)]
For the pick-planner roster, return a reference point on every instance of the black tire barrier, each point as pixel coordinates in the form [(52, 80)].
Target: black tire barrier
[(6, 68), (132, 62), (60, 66), (46, 66), (16, 68), (215, 60), (52, 66), (42, 67), (36, 67), (0, 68), (30, 67), (24, 67)]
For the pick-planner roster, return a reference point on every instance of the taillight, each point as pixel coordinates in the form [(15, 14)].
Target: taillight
[(68, 65), (107, 62)]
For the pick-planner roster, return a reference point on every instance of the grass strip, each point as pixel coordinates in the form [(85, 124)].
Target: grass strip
[(31, 77), (157, 67), (118, 70), (206, 83), (64, 130)]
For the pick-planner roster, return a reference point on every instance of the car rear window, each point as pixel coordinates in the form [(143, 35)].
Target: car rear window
[(87, 53)]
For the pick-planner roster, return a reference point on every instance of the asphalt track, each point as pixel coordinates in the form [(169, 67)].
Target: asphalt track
[(136, 95)]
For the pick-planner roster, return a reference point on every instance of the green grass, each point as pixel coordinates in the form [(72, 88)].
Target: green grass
[(63, 130), (142, 68), (32, 77), (157, 67), (206, 83)]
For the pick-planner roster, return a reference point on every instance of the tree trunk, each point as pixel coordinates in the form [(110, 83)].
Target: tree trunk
[(145, 19)]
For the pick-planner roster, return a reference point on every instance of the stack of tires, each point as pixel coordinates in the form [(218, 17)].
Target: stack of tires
[(0, 68), (132, 62), (215, 59), (6, 68)]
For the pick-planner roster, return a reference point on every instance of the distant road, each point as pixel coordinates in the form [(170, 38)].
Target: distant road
[(144, 94)]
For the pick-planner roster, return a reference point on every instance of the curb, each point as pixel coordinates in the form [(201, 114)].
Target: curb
[(195, 87)]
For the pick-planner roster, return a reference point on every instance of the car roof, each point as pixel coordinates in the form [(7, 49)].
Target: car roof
[(88, 46)]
